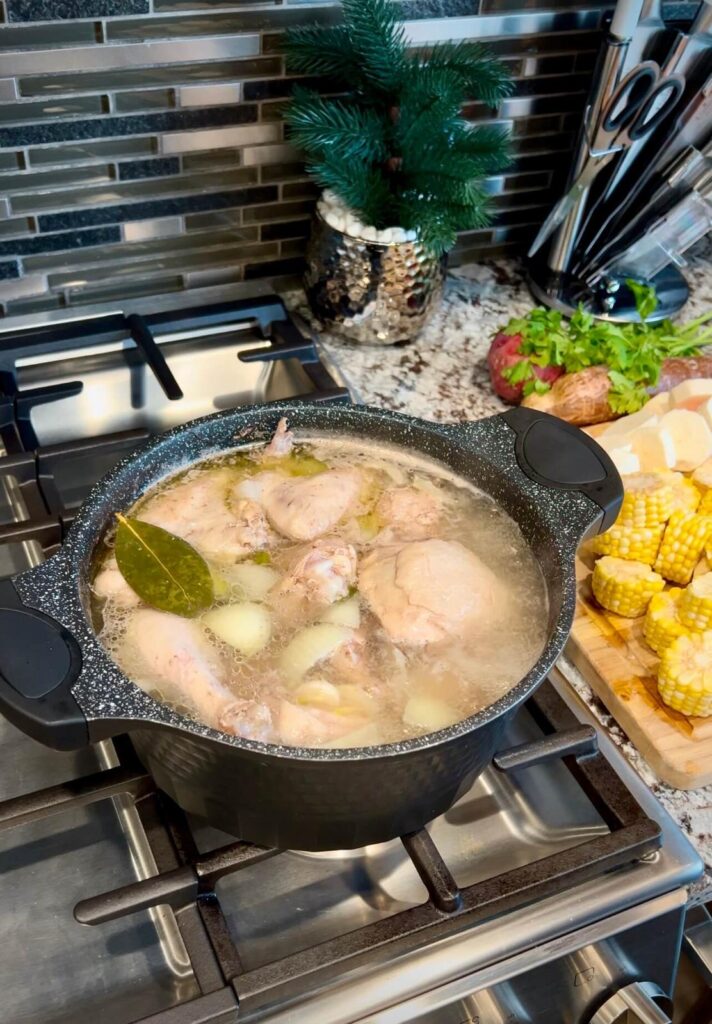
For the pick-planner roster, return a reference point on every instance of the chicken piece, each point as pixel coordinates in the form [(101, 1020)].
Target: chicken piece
[(248, 719), (177, 658), (321, 576), (110, 585), (407, 514), (282, 442), (307, 727), (429, 590), (197, 509), (304, 508)]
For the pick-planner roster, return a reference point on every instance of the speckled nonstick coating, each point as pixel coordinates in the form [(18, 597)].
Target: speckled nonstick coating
[(305, 798)]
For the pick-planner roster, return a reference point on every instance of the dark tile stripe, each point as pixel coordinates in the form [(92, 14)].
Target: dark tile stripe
[(9, 270), (139, 124), (55, 243), (292, 266), (130, 170), (157, 208), (49, 10)]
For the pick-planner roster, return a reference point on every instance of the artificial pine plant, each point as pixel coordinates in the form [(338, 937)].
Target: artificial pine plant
[(393, 144)]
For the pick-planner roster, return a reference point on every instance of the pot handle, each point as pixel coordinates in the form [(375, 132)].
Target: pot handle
[(556, 454), (39, 663)]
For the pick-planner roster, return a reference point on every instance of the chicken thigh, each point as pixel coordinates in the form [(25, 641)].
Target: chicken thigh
[(428, 591), (304, 508), (197, 509), (174, 655), (407, 513)]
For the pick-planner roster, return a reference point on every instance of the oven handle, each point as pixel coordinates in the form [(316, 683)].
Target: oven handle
[(634, 1004)]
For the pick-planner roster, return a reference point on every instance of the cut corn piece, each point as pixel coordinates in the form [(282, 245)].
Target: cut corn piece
[(682, 546), (634, 543), (685, 674), (702, 477), (705, 505), (647, 501), (662, 625), (695, 608), (624, 587), (685, 496)]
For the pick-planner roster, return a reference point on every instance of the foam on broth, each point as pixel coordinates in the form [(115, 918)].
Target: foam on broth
[(461, 674)]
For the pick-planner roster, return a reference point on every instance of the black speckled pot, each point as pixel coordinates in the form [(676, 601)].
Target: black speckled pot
[(58, 684)]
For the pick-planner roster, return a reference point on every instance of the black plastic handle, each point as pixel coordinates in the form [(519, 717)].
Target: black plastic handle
[(556, 454), (39, 662)]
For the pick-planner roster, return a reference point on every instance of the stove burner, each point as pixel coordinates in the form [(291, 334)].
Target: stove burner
[(48, 482), (188, 879)]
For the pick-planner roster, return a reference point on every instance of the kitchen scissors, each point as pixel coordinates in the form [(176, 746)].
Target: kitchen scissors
[(641, 101)]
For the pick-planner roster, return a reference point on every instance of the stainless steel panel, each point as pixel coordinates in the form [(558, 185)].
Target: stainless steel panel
[(121, 392)]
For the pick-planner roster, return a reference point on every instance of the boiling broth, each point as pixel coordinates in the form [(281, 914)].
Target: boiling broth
[(361, 597)]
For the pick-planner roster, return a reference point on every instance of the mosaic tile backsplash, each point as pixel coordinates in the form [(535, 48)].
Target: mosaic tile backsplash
[(142, 150)]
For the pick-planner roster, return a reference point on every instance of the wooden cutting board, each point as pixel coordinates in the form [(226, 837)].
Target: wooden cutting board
[(610, 653)]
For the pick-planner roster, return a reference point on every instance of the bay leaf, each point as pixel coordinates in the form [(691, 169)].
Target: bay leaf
[(165, 571)]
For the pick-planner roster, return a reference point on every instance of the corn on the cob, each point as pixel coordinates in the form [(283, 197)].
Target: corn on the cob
[(624, 587), (682, 545), (705, 506), (695, 608), (702, 477), (662, 624), (634, 543), (685, 496), (685, 674), (648, 500)]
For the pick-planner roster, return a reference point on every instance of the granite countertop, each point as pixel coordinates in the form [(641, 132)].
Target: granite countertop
[(443, 376)]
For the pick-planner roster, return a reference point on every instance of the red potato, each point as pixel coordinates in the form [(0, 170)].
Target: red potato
[(504, 352)]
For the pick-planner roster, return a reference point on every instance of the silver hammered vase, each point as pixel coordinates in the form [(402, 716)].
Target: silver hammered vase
[(370, 292)]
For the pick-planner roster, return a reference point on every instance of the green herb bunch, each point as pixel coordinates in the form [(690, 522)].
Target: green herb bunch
[(633, 352), (393, 146)]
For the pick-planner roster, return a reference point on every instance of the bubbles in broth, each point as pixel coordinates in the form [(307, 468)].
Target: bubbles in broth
[(361, 597)]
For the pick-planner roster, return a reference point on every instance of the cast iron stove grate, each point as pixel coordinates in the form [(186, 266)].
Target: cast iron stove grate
[(187, 879), (52, 481)]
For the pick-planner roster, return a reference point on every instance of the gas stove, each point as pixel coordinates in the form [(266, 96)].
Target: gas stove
[(552, 893)]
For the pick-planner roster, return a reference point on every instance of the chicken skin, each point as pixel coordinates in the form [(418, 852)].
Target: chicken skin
[(198, 510), (427, 591)]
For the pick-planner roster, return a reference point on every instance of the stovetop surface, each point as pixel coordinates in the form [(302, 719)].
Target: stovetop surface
[(126, 969)]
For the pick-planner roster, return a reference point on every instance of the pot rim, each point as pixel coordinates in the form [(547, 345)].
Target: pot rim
[(65, 577)]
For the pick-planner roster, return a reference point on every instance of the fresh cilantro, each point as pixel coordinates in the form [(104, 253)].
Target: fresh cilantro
[(633, 352), (518, 372)]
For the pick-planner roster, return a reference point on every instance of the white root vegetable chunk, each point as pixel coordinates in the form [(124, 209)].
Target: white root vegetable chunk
[(655, 449), (691, 437), (367, 736), (705, 411), (429, 713), (247, 627), (625, 460), (318, 692), (690, 393), (344, 613), (645, 417), (253, 581), (310, 646)]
